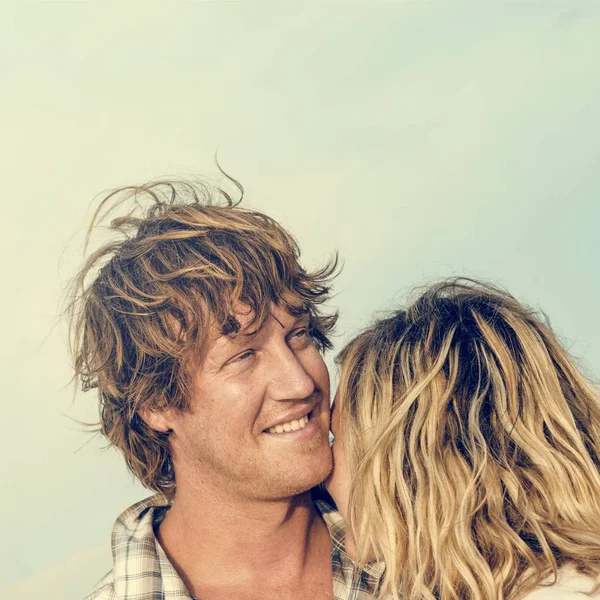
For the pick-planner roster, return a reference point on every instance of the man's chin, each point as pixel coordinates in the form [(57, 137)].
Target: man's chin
[(309, 476), (316, 474)]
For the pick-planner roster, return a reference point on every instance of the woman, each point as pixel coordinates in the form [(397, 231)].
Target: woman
[(474, 445)]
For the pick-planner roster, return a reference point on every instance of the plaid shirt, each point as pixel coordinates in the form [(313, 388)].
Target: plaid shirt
[(142, 571)]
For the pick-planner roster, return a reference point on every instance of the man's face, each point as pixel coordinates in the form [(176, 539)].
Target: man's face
[(247, 393)]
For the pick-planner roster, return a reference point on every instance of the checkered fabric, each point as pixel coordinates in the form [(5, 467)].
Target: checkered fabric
[(142, 571)]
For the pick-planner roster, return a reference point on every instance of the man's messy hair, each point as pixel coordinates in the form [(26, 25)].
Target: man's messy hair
[(185, 256)]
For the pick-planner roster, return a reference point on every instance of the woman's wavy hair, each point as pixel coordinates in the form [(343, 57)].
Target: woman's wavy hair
[(141, 306), (474, 441)]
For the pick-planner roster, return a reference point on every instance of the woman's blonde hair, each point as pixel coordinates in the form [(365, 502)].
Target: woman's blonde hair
[(475, 446)]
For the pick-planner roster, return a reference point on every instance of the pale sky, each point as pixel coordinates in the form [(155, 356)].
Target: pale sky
[(419, 139)]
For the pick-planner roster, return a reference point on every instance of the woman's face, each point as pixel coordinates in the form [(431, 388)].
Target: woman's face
[(338, 482)]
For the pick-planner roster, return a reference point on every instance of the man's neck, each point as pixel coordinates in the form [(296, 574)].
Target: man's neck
[(212, 540)]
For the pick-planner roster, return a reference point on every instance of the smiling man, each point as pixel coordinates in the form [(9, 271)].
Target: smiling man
[(203, 336)]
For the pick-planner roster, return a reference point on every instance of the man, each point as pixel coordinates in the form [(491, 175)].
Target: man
[(203, 336)]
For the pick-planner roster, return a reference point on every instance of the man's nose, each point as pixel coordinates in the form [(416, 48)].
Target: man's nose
[(290, 380)]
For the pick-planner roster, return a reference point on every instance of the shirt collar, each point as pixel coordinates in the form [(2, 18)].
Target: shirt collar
[(141, 565), (135, 565)]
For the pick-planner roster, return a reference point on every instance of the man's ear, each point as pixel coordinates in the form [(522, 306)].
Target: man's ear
[(156, 419)]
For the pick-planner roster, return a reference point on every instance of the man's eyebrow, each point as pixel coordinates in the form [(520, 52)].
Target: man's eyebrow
[(303, 316), (233, 329), (234, 332), (231, 325)]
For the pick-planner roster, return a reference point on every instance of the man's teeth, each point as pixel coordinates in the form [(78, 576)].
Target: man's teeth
[(291, 426)]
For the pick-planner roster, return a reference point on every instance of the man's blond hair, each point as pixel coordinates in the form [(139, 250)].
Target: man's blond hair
[(142, 305)]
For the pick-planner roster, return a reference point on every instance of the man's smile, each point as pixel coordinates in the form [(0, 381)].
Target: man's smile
[(292, 421), (296, 430), (289, 425)]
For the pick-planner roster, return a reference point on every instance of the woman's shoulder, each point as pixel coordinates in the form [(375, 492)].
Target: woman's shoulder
[(570, 585)]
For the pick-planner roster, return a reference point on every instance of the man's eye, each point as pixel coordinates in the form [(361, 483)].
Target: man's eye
[(243, 356), (301, 335)]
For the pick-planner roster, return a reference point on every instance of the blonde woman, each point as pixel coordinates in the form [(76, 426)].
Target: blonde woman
[(473, 445)]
